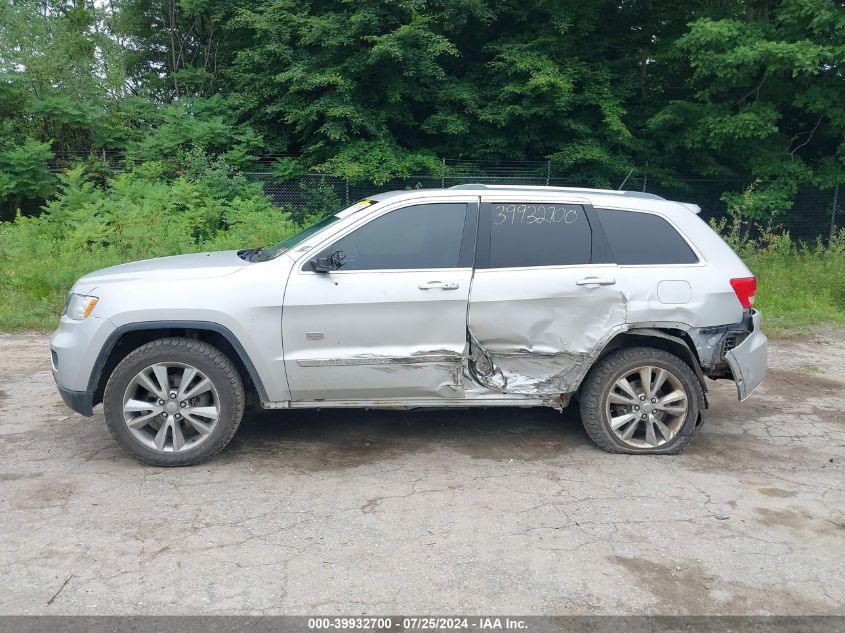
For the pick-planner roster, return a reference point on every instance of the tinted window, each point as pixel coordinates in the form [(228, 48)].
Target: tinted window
[(532, 234), (644, 238), (421, 236)]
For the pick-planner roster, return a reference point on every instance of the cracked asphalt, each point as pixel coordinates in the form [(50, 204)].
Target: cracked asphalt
[(495, 511)]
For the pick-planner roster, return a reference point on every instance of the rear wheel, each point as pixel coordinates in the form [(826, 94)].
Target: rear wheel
[(641, 400), (174, 402)]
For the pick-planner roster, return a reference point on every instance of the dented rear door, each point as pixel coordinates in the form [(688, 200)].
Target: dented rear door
[(545, 297)]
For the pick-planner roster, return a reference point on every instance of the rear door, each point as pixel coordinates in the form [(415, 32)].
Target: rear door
[(390, 324), (545, 295)]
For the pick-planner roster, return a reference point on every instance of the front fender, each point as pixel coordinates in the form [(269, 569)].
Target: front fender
[(205, 326), (245, 307)]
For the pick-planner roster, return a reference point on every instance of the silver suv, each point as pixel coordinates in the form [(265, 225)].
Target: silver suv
[(476, 295)]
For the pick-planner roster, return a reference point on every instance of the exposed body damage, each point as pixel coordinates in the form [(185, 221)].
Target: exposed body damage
[(424, 374), (441, 371), (736, 352), (537, 375), (533, 372), (536, 332), (546, 372), (710, 342), (563, 372)]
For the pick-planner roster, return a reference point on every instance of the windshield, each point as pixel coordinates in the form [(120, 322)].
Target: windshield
[(298, 238)]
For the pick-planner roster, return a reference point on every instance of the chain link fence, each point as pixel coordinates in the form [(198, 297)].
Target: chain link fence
[(815, 214)]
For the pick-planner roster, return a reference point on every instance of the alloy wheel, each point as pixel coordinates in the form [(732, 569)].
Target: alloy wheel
[(171, 407), (646, 407)]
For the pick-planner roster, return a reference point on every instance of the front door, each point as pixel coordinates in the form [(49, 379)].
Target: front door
[(544, 297), (390, 323)]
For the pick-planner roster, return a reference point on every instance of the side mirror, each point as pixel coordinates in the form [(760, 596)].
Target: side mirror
[(327, 264), (321, 264)]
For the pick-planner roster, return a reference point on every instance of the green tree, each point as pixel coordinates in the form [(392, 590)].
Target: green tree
[(766, 89), (208, 125), (24, 174), (372, 89), (57, 83), (177, 46)]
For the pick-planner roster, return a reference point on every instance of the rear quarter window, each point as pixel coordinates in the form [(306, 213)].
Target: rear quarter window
[(642, 239)]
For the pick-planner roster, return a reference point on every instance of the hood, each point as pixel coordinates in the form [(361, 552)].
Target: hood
[(194, 266)]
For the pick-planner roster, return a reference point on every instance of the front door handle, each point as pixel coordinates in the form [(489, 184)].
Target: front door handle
[(596, 281), (442, 285)]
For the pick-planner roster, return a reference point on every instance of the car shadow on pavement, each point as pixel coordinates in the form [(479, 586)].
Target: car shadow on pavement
[(334, 439)]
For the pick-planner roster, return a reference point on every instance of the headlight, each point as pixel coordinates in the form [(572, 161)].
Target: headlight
[(78, 307)]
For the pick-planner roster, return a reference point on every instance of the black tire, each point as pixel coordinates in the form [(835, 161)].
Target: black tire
[(210, 361), (598, 383)]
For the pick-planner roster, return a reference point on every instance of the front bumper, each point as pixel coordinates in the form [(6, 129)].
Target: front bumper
[(749, 360), (75, 349), (80, 401)]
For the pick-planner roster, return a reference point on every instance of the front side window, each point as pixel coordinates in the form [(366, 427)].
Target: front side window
[(640, 239), (415, 237), (538, 234)]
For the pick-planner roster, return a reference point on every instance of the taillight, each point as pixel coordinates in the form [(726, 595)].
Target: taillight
[(745, 289)]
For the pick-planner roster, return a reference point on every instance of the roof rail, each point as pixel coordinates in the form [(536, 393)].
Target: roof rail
[(586, 190)]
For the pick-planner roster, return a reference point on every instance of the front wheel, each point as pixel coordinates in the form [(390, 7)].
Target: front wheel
[(641, 400), (174, 402)]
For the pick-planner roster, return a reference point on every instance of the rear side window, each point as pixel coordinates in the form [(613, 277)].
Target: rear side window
[(419, 236), (532, 234), (643, 239)]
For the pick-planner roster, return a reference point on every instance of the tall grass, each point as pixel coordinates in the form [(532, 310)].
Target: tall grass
[(800, 286)]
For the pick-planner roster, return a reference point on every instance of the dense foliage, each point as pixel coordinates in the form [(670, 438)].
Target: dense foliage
[(749, 91), (141, 215)]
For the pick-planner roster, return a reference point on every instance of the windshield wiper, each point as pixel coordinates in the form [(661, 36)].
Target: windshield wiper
[(250, 254), (256, 254)]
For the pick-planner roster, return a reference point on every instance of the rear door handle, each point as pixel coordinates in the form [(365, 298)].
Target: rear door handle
[(442, 285), (596, 281)]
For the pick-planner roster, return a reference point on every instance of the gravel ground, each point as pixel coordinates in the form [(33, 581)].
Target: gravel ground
[(497, 511)]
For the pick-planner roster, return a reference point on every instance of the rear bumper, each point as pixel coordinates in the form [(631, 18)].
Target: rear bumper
[(749, 360)]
